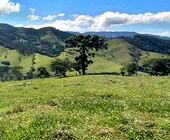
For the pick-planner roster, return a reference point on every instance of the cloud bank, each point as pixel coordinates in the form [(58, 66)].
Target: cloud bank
[(105, 21), (7, 7)]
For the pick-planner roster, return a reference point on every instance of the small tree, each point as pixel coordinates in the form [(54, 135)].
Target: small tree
[(4, 72), (60, 67), (30, 74), (17, 72), (123, 71), (131, 69), (42, 72), (86, 45)]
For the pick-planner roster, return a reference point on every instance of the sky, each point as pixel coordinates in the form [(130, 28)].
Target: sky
[(142, 16)]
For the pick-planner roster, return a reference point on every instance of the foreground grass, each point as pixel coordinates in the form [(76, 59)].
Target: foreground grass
[(87, 108)]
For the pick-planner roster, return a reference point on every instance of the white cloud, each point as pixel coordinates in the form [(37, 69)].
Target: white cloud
[(49, 17), (109, 19), (53, 17), (32, 10), (33, 17), (61, 15), (105, 21), (7, 7)]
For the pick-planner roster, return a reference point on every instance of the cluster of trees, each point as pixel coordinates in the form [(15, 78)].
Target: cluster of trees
[(154, 67), (10, 73), (58, 68), (157, 67)]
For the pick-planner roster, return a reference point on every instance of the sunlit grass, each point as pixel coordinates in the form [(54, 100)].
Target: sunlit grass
[(87, 107)]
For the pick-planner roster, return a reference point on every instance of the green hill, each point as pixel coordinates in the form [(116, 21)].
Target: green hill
[(86, 108), (46, 41)]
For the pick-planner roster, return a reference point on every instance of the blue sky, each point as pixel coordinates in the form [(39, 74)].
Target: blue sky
[(144, 16)]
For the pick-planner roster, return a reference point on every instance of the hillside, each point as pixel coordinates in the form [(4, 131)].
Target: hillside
[(150, 43), (22, 46), (87, 107), (25, 61), (46, 41), (119, 53)]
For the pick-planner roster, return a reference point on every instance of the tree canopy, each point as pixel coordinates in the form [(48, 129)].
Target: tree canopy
[(86, 45)]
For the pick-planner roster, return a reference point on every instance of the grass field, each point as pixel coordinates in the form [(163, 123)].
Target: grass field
[(86, 108)]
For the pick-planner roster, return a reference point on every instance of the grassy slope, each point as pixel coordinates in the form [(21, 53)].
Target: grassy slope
[(151, 55), (42, 60), (9, 55), (118, 51), (102, 65), (87, 107), (25, 61)]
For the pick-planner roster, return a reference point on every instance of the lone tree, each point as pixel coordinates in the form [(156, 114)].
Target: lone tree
[(86, 45), (60, 67)]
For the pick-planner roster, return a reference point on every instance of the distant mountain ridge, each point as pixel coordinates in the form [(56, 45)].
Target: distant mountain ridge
[(111, 35), (118, 34), (108, 35)]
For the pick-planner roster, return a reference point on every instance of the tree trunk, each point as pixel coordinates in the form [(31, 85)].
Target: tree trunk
[(83, 62), (83, 71)]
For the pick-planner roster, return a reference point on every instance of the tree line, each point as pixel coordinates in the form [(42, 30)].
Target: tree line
[(153, 67)]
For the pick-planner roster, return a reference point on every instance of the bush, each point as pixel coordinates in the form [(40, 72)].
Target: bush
[(43, 73), (157, 67)]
